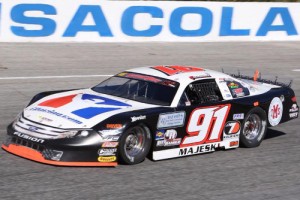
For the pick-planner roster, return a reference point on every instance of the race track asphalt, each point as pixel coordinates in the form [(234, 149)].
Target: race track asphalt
[(271, 171)]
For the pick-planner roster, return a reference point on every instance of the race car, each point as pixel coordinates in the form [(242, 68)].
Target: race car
[(159, 112)]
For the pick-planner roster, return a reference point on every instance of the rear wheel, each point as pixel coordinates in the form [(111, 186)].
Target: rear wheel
[(254, 128), (134, 145)]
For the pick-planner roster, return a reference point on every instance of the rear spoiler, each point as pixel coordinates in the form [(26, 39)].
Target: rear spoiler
[(257, 77)]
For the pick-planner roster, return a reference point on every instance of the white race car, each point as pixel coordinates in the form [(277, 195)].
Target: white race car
[(161, 112)]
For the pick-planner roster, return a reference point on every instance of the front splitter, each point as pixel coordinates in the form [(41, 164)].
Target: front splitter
[(34, 155)]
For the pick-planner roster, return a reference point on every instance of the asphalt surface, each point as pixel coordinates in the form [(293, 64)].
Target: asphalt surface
[(271, 171)]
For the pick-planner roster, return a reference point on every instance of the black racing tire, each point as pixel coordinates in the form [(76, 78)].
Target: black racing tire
[(254, 128), (134, 145)]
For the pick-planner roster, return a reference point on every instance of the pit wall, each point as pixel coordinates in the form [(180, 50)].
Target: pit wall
[(146, 21)]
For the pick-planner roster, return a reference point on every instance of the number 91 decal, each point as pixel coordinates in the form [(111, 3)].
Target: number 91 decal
[(205, 125)]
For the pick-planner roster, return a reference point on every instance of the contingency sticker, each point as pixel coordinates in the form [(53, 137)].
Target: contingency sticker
[(174, 119), (275, 111)]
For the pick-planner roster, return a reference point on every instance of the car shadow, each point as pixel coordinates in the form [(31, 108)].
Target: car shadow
[(271, 133)]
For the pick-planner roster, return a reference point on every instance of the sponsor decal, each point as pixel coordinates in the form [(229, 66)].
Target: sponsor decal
[(107, 158), (224, 88), (238, 116), (231, 130), (197, 149), (114, 126), (111, 138), (169, 142), (110, 135), (34, 139), (171, 134), (110, 144), (90, 105), (237, 91), (168, 120), (44, 119), (275, 111), (98, 105), (53, 112), (141, 117), (109, 132), (294, 111), (160, 135), (294, 108), (233, 85), (240, 94), (170, 139), (234, 144), (107, 152), (294, 115)]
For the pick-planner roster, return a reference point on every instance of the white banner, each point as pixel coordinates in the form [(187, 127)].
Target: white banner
[(146, 21)]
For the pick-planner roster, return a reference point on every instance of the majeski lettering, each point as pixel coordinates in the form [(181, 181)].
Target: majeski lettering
[(197, 149)]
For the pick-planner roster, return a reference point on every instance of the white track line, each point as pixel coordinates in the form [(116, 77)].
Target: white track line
[(296, 70), (47, 77)]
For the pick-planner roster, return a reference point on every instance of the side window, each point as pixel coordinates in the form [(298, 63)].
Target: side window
[(184, 100), (237, 89), (199, 92)]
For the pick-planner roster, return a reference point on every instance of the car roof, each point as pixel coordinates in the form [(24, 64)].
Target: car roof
[(185, 74)]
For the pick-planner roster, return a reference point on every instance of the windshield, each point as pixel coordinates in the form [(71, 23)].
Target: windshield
[(138, 87)]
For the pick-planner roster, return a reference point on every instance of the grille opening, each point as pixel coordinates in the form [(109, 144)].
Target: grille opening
[(13, 140), (26, 143), (35, 146), (35, 129)]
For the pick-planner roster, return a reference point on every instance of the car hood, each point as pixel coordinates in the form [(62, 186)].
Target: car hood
[(79, 109)]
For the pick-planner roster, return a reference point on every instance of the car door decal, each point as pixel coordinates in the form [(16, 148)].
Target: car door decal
[(205, 125)]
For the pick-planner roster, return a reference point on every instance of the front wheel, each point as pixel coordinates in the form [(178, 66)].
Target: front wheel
[(134, 145), (254, 128)]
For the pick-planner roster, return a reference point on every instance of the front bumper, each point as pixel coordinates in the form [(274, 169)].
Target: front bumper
[(60, 152), (34, 155)]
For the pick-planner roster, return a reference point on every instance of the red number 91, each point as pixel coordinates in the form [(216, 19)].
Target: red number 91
[(205, 125)]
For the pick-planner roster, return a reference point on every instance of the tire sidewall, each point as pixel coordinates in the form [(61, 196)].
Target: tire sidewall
[(259, 138), (122, 156)]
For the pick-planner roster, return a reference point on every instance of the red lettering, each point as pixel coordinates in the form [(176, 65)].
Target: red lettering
[(172, 70), (275, 111)]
